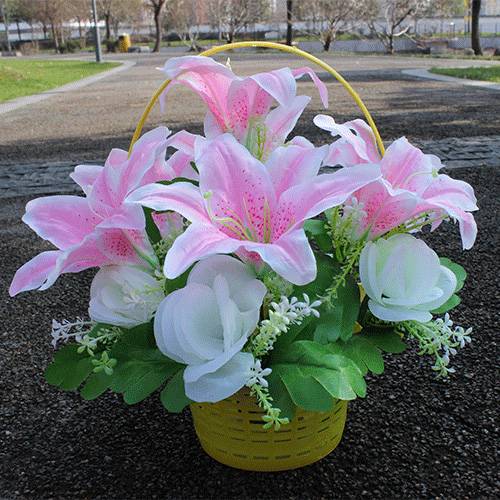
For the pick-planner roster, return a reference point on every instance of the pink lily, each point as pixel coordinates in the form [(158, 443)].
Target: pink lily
[(98, 229), (410, 185), (243, 205), (242, 106)]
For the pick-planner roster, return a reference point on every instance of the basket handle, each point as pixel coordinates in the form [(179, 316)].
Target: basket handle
[(270, 45)]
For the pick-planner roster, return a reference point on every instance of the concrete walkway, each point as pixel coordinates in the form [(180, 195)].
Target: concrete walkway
[(113, 101)]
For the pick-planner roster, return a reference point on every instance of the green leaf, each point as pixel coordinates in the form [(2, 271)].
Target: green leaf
[(179, 282), (96, 385), (328, 268), (318, 229), (452, 302), (173, 396), (151, 228), (358, 348), (69, 368), (341, 315), (281, 396), (457, 270), (141, 367), (150, 380), (313, 376), (460, 274), (180, 179), (386, 338)]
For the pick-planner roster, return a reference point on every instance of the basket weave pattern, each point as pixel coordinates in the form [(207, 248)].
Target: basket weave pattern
[(231, 432)]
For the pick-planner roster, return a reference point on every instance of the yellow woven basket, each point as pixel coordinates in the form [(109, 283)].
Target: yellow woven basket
[(231, 432)]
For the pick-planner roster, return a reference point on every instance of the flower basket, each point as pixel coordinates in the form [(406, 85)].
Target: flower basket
[(231, 431), (237, 278)]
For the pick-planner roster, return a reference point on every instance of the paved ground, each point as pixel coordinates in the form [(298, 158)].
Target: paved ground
[(41, 140), (412, 438)]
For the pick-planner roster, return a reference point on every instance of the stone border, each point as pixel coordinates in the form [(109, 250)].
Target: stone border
[(20, 102)]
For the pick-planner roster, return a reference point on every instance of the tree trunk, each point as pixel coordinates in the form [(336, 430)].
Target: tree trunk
[(158, 27), (54, 35), (475, 35), (107, 22), (6, 20), (327, 42), (289, 4)]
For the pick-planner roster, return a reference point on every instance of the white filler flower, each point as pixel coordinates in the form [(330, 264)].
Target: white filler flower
[(404, 279), (124, 296), (206, 324)]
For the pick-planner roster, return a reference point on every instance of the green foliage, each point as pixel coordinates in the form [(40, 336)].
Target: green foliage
[(140, 367), (173, 396), (341, 314), (313, 376), (460, 274), (69, 368), (318, 229)]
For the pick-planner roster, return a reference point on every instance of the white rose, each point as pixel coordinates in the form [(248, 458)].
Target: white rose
[(404, 279), (124, 296), (206, 324)]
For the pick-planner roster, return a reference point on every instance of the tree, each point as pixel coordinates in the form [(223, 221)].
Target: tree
[(6, 12), (52, 13), (157, 6), (289, 22), (116, 12), (184, 17), (327, 18), (475, 35), (229, 17), (385, 18)]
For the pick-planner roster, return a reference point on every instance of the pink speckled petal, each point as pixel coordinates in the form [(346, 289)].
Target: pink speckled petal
[(34, 273), (199, 241), (63, 220)]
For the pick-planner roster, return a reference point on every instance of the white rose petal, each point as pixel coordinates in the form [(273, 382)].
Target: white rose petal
[(404, 279), (124, 296), (207, 323)]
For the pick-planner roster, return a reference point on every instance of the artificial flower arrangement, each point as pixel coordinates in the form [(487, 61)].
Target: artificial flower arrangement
[(229, 261)]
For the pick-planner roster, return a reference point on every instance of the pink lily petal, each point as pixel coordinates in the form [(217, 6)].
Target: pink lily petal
[(293, 165), (128, 217), (76, 259), (290, 256), (312, 197), (183, 141), (356, 145), (85, 176), (125, 247), (405, 166), (281, 120), (252, 199), (181, 197), (323, 92), (34, 273), (122, 174), (209, 79), (63, 220), (279, 84), (197, 242), (451, 190)]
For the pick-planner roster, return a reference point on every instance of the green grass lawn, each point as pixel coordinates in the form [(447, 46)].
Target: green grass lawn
[(19, 77), (490, 73)]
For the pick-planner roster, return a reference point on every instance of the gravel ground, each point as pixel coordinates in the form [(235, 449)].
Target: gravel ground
[(412, 437)]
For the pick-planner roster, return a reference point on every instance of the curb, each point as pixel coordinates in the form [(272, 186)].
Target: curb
[(20, 102), (425, 73)]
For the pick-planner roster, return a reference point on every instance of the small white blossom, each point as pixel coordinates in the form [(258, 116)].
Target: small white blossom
[(256, 375)]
